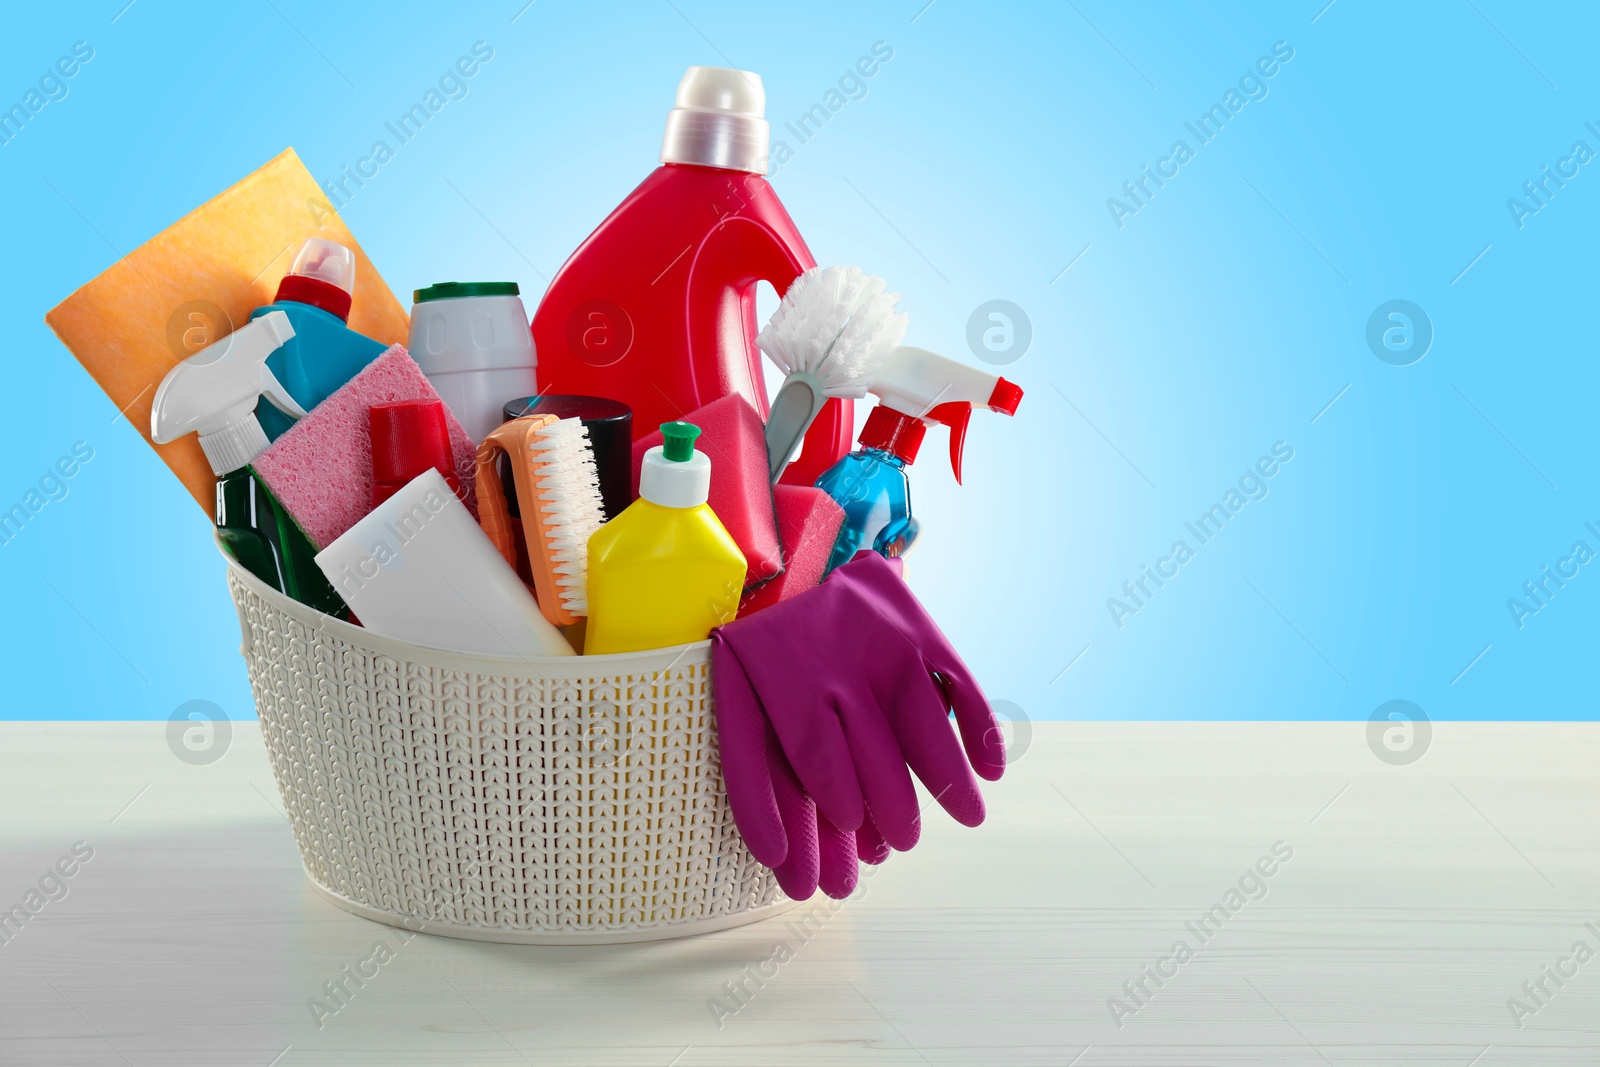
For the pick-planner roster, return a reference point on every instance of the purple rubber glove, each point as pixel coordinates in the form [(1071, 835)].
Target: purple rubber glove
[(825, 704)]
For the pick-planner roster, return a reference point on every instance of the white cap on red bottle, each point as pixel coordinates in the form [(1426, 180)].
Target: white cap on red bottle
[(718, 121), (323, 275), (327, 261)]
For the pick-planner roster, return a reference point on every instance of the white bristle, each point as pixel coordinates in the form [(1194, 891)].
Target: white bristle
[(568, 487), (837, 323)]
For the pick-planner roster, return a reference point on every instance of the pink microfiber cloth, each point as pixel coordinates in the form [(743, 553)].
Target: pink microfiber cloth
[(321, 470), (731, 434), (809, 522)]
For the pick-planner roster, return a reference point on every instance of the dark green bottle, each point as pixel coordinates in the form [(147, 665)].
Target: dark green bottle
[(269, 544)]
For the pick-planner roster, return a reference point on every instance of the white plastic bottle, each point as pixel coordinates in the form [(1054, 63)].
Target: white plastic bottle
[(472, 341)]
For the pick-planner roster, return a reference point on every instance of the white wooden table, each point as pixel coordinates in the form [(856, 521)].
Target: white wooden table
[(1417, 902)]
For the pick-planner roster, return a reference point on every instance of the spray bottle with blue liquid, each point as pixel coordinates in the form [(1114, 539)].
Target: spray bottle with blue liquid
[(915, 388)]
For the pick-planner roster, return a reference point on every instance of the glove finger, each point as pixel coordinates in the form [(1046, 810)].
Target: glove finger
[(744, 748), (870, 846), (881, 768), (980, 730), (838, 869), (933, 752), (798, 874), (877, 586), (800, 870)]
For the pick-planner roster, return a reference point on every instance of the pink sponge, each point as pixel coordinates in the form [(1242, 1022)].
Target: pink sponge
[(741, 494), (321, 470), (809, 521)]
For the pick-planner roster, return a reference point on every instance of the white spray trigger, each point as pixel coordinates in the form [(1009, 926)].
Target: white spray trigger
[(273, 391), (214, 393)]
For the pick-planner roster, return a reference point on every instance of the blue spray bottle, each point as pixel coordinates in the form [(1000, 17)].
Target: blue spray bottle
[(915, 387), (324, 352)]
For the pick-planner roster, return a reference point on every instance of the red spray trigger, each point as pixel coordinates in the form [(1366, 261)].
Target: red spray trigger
[(956, 415)]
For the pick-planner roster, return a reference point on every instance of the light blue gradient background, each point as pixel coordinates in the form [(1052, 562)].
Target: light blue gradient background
[(1224, 316)]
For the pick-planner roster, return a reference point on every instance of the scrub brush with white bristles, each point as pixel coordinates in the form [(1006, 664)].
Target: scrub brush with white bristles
[(567, 510), (829, 335)]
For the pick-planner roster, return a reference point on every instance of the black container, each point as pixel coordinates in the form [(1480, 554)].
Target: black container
[(610, 426)]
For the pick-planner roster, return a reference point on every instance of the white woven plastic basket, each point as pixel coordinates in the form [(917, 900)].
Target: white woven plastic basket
[(551, 801)]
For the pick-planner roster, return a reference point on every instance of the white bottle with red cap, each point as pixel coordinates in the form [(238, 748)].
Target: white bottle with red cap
[(915, 388)]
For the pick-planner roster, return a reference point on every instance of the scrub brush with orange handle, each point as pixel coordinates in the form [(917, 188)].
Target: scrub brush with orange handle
[(558, 493)]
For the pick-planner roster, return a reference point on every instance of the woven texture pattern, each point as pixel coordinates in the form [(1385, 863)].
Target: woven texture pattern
[(563, 797)]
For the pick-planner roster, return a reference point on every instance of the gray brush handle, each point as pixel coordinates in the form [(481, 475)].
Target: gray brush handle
[(798, 403)]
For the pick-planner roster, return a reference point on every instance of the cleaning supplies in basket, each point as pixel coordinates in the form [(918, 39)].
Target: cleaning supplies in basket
[(559, 496), (656, 308), (915, 387), (214, 394), (325, 352), (471, 339), (829, 335), (417, 568), (665, 571), (826, 705), (830, 692)]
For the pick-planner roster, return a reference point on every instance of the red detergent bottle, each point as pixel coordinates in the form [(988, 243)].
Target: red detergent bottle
[(657, 307)]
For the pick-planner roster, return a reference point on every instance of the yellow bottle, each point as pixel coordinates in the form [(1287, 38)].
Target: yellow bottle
[(665, 571)]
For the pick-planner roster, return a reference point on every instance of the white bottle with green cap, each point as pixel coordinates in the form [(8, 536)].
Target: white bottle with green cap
[(472, 341), (665, 571)]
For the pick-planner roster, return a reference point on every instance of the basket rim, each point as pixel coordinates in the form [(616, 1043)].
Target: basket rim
[(527, 667)]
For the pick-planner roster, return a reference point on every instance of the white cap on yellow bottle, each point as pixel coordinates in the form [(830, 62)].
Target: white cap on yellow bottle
[(675, 474)]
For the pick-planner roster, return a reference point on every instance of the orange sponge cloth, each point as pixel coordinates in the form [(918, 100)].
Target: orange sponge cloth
[(195, 282)]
